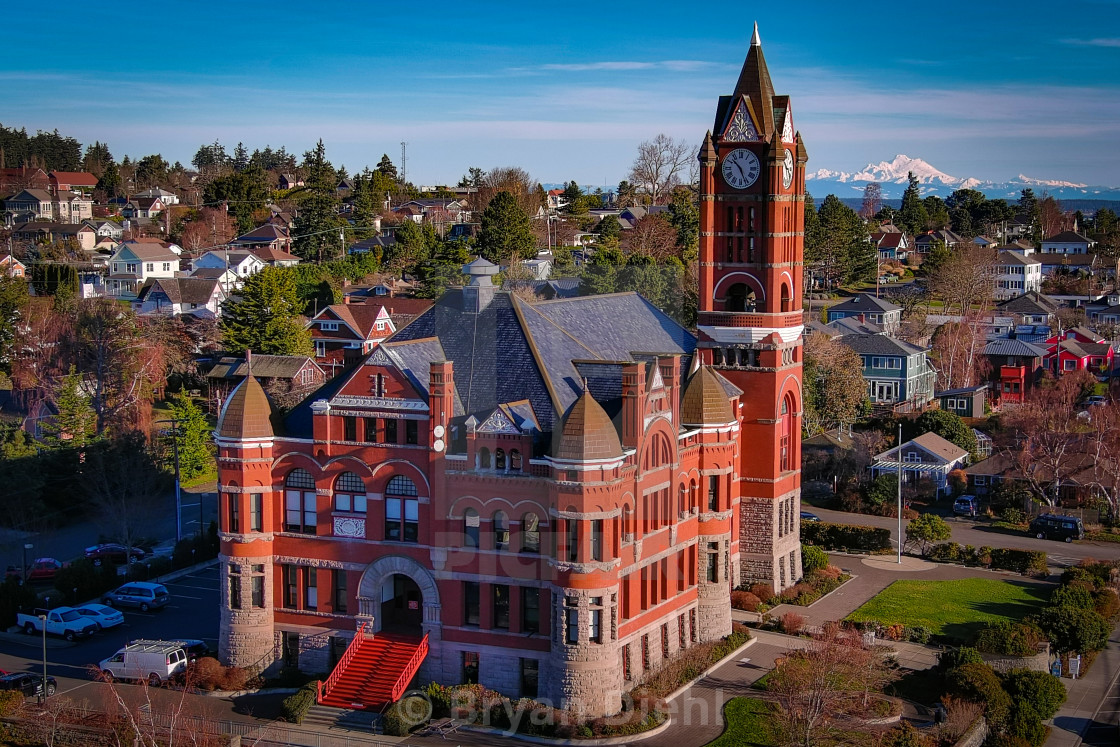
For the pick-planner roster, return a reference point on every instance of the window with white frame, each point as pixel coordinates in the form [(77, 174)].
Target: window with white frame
[(980, 479), (328, 326), (912, 456), (299, 502), (350, 493)]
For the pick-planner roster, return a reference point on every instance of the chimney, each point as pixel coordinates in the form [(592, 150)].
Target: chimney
[(347, 299), (479, 290)]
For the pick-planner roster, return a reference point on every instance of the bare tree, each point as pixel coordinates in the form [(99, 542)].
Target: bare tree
[(872, 200), (958, 352), (652, 236), (151, 717), (1052, 218), (967, 280), (660, 165), (834, 387), (510, 179)]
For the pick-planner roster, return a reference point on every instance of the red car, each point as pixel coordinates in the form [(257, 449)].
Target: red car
[(41, 569), (115, 553)]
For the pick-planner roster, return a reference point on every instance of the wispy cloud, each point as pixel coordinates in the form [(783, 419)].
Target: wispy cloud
[(622, 66), (1099, 42)]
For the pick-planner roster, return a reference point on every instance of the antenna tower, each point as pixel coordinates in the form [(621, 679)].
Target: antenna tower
[(404, 160)]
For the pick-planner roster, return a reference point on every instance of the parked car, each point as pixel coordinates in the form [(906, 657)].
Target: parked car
[(196, 648), (154, 661), (1095, 400), (809, 516), (105, 617), (1057, 527), (62, 621), (966, 505), (114, 553), (27, 683), (141, 594), (40, 569)]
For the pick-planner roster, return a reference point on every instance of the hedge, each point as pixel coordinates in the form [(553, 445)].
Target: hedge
[(295, 706), (1026, 562), (845, 536)]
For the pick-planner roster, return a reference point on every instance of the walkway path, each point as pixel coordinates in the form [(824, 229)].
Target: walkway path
[(1092, 706)]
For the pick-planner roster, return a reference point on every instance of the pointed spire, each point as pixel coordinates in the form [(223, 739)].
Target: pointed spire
[(754, 82), (695, 364), (708, 149)]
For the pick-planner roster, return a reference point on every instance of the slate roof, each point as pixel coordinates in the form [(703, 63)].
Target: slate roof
[(181, 290), (264, 366), (850, 325), (864, 303), (879, 345), (1015, 347)]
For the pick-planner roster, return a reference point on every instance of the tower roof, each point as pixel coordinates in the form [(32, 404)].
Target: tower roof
[(247, 413), (754, 83), (705, 400), (588, 432)]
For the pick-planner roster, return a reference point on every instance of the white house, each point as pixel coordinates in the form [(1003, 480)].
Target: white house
[(106, 229), (1016, 274), (174, 296), (134, 263), (167, 198), (242, 263), (72, 207), (1067, 242)]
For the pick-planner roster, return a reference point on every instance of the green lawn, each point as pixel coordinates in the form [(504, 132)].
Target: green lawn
[(748, 724), (953, 609)]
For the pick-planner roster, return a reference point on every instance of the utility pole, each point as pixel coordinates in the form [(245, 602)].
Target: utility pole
[(900, 493)]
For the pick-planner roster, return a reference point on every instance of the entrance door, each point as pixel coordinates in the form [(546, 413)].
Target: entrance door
[(885, 391), (402, 606)]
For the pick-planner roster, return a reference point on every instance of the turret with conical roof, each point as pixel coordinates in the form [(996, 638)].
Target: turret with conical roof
[(247, 413), (705, 401), (588, 433)]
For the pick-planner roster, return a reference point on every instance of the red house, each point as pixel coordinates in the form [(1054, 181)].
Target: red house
[(1078, 349)]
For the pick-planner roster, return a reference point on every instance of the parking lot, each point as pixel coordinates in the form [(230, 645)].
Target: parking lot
[(192, 612)]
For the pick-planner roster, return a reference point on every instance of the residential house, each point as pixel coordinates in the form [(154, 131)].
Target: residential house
[(134, 263), (345, 186), (898, 374), (23, 177), (984, 242), (463, 231), (37, 203), (71, 181), (224, 276), (72, 207), (268, 236), (556, 199), (1016, 274), (143, 207), (1067, 242), (12, 267), (1078, 349), (106, 229), (290, 181), (1016, 367), (376, 244), (927, 457), (343, 333), (868, 308), (1019, 227), (1085, 481), (1032, 307), (167, 198), (892, 244), (924, 244), (967, 402), (243, 264), (27, 409), (288, 377), (539, 269), (276, 257), (175, 296), (53, 233), (1097, 265)]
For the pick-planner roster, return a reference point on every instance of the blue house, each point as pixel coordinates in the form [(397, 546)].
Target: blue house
[(896, 372), (868, 309)]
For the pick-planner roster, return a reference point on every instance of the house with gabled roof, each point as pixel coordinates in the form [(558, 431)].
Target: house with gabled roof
[(72, 207), (38, 203), (12, 267), (71, 181), (927, 457), (276, 257), (134, 263), (175, 296), (268, 236), (1079, 349), (167, 198), (1016, 274), (892, 244), (13, 179), (1068, 242), (1032, 307), (51, 233), (924, 243), (898, 374), (343, 333), (241, 263), (106, 229), (867, 308), (1017, 365)]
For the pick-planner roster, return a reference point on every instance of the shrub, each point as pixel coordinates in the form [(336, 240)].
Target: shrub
[(1107, 603), (926, 530), (207, 674), (1027, 562), (959, 657), (1071, 629), (1025, 726), (1009, 639), (793, 592), (918, 634), (845, 536), (10, 702), (1072, 595), (440, 697), (791, 623), (1040, 693), (404, 716), (764, 592), (294, 707), (905, 735), (744, 600), (948, 552), (829, 571), (1013, 516), (979, 684), (813, 558)]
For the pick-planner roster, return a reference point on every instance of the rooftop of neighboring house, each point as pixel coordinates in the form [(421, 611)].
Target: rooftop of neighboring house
[(270, 254), (41, 195), (149, 251), (1006, 257), (210, 273), (1031, 302), (867, 344), (1013, 347), (961, 391), (1080, 260), (1084, 349), (851, 325), (267, 232), (1068, 237), (193, 289), (264, 367), (864, 303), (932, 443), (360, 317), (74, 178), (888, 239), (59, 228)]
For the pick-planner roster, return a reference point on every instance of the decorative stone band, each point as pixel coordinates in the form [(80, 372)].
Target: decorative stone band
[(243, 443), (337, 565), (589, 567), (378, 403), (769, 480), (751, 334), (715, 515), (590, 464), (244, 539), (577, 516)]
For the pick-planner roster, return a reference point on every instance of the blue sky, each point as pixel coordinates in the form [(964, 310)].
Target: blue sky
[(567, 90)]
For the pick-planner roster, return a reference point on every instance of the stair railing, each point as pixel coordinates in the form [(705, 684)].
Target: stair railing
[(410, 670), (322, 689)]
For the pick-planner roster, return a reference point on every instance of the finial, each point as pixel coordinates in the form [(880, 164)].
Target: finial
[(755, 41), (695, 364), (249, 361)]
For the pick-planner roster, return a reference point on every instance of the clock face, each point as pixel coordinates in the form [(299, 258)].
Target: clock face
[(787, 169), (740, 168)]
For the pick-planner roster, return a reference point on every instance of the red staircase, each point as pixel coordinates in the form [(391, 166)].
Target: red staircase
[(375, 670)]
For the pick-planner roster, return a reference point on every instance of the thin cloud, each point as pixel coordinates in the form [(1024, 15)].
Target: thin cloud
[(622, 66), (1099, 42)]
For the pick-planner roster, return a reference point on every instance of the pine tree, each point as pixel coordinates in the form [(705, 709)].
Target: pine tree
[(366, 207), (318, 226), (110, 181), (505, 230), (192, 433), (240, 160), (76, 423), (913, 217), (386, 168), (265, 317)]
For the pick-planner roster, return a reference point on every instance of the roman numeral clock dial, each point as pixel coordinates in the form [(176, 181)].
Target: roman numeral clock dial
[(740, 168)]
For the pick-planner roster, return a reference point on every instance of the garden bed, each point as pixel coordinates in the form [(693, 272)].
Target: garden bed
[(748, 722)]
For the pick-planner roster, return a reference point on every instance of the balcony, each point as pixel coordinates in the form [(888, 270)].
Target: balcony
[(749, 319)]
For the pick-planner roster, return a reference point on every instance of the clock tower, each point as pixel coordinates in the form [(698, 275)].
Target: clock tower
[(752, 223)]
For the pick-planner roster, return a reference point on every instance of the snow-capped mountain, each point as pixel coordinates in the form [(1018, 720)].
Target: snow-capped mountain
[(893, 176)]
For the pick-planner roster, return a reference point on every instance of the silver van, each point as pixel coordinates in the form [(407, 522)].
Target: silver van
[(154, 661), (141, 594)]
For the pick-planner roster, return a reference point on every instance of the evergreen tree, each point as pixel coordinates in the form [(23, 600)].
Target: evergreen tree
[(76, 423), (684, 215), (365, 204), (573, 195), (386, 168), (97, 158), (937, 213), (244, 193), (505, 230), (600, 273), (939, 255), (443, 268), (608, 228), (265, 317), (814, 241), (318, 225), (240, 160), (912, 217), (845, 251), (192, 434), (110, 181), (13, 298)]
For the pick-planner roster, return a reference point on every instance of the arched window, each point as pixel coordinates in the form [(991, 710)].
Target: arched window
[(786, 300), (628, 521), (299, 502), (402, 510), (530, 533), (484, 458), (694, 496), (740, 298), (350, 493), (470, 528), (499, 459), (785, 429), (515, 460), (501, 531)]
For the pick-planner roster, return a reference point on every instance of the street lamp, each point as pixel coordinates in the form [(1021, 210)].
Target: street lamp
[(43, 689), (26, 546)]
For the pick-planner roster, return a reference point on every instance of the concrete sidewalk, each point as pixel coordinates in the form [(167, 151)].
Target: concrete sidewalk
[(1082, 711)]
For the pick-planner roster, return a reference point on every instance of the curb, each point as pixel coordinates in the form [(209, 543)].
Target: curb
[(175, 575), (242, 693), (625, 739), (688, 685)]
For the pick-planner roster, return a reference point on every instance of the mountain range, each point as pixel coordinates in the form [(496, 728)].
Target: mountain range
[(892, 175)]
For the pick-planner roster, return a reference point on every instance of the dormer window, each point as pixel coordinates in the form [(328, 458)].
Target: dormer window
[(328, 326)]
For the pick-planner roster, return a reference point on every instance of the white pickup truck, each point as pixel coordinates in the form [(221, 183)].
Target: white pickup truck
[(61, 621)]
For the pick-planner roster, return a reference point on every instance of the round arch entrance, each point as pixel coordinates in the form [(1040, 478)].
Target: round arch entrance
[(401, 606), (400, 596)]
